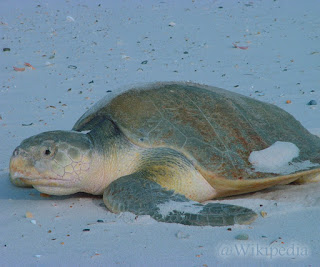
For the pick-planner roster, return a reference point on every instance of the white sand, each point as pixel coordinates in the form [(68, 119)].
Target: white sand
[(118, 43)]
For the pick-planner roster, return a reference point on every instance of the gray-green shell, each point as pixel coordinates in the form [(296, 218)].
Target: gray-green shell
[(215, 128)]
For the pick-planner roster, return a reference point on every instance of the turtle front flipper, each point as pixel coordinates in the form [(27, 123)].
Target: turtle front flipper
[(137, 194)]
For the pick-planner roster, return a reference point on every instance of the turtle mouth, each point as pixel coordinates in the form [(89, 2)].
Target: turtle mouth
[(24, 174), (18, 177), (44, 184), (32, 178)]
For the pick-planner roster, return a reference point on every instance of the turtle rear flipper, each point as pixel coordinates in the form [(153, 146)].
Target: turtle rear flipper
[(137, 194)]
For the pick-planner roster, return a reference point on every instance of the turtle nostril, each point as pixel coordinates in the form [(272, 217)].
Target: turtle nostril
[(16, 152), (19, 152)]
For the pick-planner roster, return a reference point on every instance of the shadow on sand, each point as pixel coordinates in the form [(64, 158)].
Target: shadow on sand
[(9, 191)]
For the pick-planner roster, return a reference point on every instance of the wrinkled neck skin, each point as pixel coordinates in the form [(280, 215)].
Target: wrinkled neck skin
[(113, 157)]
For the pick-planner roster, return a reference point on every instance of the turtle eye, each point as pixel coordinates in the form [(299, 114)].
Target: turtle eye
[(47, 152)]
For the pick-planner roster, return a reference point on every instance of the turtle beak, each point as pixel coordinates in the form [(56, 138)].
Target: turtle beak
[(19, 164), (24, 173)]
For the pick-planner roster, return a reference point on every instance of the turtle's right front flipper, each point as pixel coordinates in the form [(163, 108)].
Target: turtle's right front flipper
[(137, 194)]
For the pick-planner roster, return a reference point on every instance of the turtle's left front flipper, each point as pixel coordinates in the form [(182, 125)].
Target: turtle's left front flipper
[(141, 196)]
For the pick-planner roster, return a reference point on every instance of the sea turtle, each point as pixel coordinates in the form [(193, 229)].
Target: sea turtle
[(161, 149)]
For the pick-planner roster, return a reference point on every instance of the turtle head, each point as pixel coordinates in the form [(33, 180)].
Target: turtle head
[(53, 162)]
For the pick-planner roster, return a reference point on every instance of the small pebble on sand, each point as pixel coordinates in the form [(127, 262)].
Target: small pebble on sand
[(242, 237)]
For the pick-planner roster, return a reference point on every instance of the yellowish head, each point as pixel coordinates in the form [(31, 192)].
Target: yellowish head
[(52, 162)]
